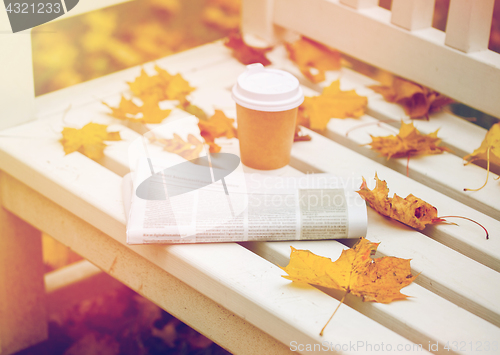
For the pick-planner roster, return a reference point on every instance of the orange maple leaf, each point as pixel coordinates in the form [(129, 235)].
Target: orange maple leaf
[(88, 140), (313, 58), (219, 125), (189, 149), (411, 210), (489, 151), (244, 53), (355, 272), (332, 103), (408, 141), (417, 100), (149, 112), (159, 87)]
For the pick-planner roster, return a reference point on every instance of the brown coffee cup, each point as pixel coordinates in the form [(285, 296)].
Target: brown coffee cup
[(266, 111)]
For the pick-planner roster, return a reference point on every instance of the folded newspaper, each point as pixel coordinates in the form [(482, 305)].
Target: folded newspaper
[(202, 201)]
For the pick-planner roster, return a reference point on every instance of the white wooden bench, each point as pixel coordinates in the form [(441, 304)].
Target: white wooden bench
[(233, 293)]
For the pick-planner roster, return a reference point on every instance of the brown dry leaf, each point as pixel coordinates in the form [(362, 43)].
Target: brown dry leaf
[(409, 141), (411, 210), (313, 58), (332, 103), (489, 151), (244, 53), (88, 140), (355, 272), (189, 149), (418, 101), (219, 125)]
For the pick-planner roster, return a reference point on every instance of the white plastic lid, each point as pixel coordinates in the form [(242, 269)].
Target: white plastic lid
[(269, 90)]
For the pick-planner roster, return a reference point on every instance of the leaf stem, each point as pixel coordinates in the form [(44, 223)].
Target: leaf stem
[(488, 171), (341, 301), (479, 224)]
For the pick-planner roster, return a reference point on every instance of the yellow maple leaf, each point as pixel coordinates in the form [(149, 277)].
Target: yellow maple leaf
[(126, 110), (355, 272), (219, 125), (313, 58), (88, 140), (159, 87), (149, 112), (417, 100), (332, 103), (408, 141), (489, 151)]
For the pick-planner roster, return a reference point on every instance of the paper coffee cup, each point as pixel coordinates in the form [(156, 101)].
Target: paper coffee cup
[(266, 111)]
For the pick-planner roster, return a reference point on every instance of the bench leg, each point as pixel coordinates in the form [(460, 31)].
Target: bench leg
[(23, 320)]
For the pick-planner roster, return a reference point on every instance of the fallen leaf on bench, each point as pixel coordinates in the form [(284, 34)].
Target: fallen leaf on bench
[(411, 210), (88, 140), (149, 112), (409, 141), (332, 103), (159, 87), (418, 101), (313, 58), (215, 127), (244, 53), (355, 272), (489, 151)]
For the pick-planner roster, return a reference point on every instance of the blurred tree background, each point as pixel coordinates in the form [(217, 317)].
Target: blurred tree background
[(101, 42)]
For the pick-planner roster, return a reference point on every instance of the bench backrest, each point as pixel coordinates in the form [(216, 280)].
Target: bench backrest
[(17, 92), (455, 62)]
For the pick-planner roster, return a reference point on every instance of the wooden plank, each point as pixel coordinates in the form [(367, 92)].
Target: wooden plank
[(469, 24), (436, 171), (22, 294), (412, 14), (460, 135), (402, 241), (296, 312), (425, 318), (425, 59)]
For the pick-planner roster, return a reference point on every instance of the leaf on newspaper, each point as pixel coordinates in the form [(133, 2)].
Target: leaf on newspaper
[(189, 149), (313, 58), (411, 210), (219, 125), (409, 141), (418, 101), (489, 151), (244, 53), (332, 103), (355, 272), (88, 140)]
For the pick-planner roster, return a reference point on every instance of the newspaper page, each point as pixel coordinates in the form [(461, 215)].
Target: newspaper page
[(191, 203)]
